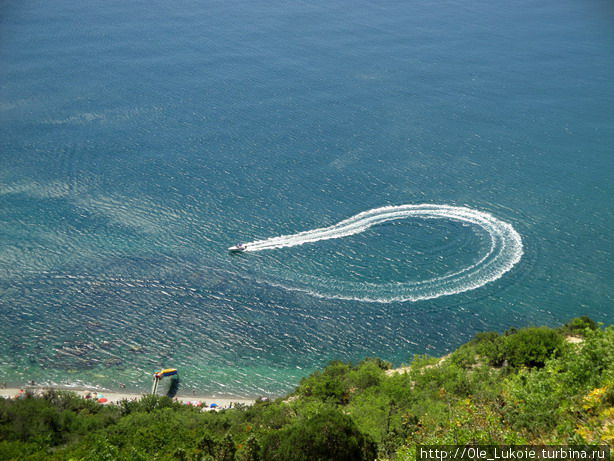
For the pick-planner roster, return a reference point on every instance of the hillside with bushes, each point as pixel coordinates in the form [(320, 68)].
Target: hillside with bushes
[(527, 386)]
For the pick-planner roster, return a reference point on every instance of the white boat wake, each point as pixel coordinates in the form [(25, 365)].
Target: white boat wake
[(504, 252)]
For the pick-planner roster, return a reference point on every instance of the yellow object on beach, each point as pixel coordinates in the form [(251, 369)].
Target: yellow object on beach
[(165, 372), (158, 375), (168, 372)]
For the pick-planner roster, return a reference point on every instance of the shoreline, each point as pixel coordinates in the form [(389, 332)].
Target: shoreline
[(114, 396)]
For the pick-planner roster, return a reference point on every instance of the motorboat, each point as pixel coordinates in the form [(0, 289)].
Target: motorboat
[(238, 248)]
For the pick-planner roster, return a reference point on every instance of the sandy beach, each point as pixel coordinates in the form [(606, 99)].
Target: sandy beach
[(205, 401)]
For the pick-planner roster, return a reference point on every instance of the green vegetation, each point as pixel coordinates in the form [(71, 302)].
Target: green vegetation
[(523, 387)]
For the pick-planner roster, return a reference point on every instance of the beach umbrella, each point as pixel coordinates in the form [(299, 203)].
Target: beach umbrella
[(103, 400), (213, 405), (99, 396)]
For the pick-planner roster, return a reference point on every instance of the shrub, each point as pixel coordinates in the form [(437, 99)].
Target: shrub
[(383, 364), (329, 435), (531, 347), (331, 385), (578, 326), (367, 374), (490, 345)]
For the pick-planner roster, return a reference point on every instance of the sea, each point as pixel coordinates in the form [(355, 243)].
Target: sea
[(404, 173)]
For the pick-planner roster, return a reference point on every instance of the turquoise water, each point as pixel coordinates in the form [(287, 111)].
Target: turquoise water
[(139, 140)]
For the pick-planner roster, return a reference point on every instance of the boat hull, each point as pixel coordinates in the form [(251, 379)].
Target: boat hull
[(237, 249)]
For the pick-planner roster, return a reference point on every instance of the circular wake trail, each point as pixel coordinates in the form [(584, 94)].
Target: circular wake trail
[(504, 252)]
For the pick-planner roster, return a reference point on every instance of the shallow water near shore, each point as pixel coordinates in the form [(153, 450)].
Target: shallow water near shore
[(140, 140)]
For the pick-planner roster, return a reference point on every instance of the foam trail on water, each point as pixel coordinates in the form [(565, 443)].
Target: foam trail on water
[(504, 252)]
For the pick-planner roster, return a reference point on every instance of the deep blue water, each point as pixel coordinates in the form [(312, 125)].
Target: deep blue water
[(138, 140)]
